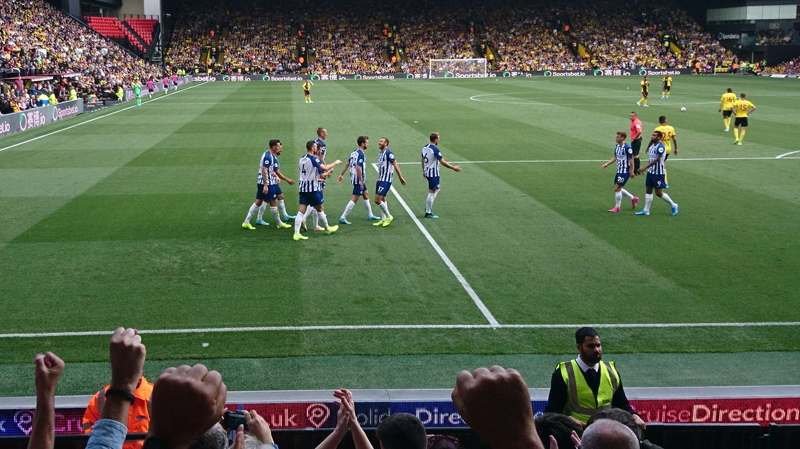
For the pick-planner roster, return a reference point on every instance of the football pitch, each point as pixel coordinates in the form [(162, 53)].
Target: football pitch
[(132, 217)]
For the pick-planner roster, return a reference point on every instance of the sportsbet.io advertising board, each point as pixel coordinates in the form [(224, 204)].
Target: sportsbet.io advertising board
[(35, 118)]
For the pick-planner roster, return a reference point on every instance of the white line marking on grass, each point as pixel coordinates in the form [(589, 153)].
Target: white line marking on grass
[(568, 161), (344, 327), (786, 154), (486, 313), (96, 118)]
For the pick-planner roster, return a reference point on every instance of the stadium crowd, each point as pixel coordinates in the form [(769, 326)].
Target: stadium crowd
[(38, 40), (187, 405)]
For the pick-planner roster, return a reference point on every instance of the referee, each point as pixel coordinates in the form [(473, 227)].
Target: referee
[(636, 138)]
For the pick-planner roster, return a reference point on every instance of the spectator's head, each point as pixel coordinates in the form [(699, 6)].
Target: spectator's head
[(608, 434), (588, 343), (214, 438), (618, 415), (402, 431), (434, 138), (443, 442), (558, 425)]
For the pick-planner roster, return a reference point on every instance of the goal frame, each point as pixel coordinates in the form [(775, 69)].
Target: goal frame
[(482, 61)]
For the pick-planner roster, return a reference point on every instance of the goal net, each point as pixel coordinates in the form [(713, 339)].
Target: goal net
[(457, 68)]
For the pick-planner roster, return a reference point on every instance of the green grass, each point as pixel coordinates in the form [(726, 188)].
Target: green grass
[(133, 220)]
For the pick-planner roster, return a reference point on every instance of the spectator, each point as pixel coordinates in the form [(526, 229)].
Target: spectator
[(625, 418), (397, 431), (47, 372), (559, 427), (608, 434), (138, 418)]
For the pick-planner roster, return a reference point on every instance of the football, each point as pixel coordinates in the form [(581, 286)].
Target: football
[(683, 109)]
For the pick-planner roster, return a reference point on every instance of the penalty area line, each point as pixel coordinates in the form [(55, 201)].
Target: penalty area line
[(572, 326), (787, 154), (468, 288)]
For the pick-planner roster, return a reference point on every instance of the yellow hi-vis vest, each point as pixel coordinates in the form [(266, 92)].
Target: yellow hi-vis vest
[(581, 403)]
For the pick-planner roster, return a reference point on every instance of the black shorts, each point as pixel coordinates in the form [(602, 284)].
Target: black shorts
[(667, 88), (636, 146), (306, 92), (727, 114), (740, 121), (644, 94)]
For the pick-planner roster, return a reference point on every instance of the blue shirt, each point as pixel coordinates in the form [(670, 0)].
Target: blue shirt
[(432, 156), (658, 151), (623, 152), (265, 163), (357, 159), (309, 173), (322, 147), (385, 165), (107, 434)]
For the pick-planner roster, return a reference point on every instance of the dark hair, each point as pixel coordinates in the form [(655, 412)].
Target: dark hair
[(743, 95), (274, 142), (434, 136), (584, 332), (310, 144), (386, 139), (660, 134), (443, 442), (618, 415), (402, 431), (558, 425), (662, 119), (622, 134), (730, 90), (361, 139)]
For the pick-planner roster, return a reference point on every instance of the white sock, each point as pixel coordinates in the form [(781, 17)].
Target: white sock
[(369, 208), (282, 208), (348, 208), (253, 209), (429, 202), (383, 214), (322, 217), (666, 198), (275, 214), (626, 193), (298, 220), (385, 209), (314, 218), (261, 211), (648, 200), (618, 199)]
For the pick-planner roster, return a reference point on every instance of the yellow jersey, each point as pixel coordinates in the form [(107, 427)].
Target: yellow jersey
[(666, 138), (645, 85), (306, 86), (667, 81), (727, 101), (741, 107)]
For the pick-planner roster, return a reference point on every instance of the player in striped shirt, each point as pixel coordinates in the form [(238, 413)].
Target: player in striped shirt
[(655, 174), (310, 190), (623, 155), (322, 149), (431, 158), (387, 165), (267, 185), (358, 177)]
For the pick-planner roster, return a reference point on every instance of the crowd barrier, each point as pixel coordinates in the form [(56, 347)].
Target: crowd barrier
[(26, 120)]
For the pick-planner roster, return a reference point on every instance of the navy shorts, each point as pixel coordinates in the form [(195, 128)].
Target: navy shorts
[(272, 193), (260, 195), (382, 188), (312, 199), (433, 182), (740, 121), (621, 178), (358, 191), (655, 181), (727, 113), (151, 90)]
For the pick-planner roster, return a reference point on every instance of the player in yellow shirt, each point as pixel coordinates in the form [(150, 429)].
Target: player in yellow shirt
[(669, 141), (645, 86), (726, 107), (307, 91), (666, 87), (742, 107)]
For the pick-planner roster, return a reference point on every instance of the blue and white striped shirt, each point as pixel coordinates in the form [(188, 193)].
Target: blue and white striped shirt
[(309, 173), (265, 163), (273, 166), (432, 156), (657, 150), (623, 152), (385, 165), (357, 159)]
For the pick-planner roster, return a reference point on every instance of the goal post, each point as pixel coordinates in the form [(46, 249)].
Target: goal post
[(457, 68)]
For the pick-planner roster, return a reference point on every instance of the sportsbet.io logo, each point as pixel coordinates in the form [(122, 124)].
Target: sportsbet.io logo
[(547, 73), (314, 77), (409, 76), (356, 76), (642, 72)]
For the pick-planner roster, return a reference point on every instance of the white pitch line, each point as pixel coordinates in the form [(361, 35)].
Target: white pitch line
[(486, 313), (567, 161), (216, 330), (786, 154), (96, 118)]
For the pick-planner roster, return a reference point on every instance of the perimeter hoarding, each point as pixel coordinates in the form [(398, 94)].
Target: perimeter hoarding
[(437, 412), (437, 75), (26, 120)]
